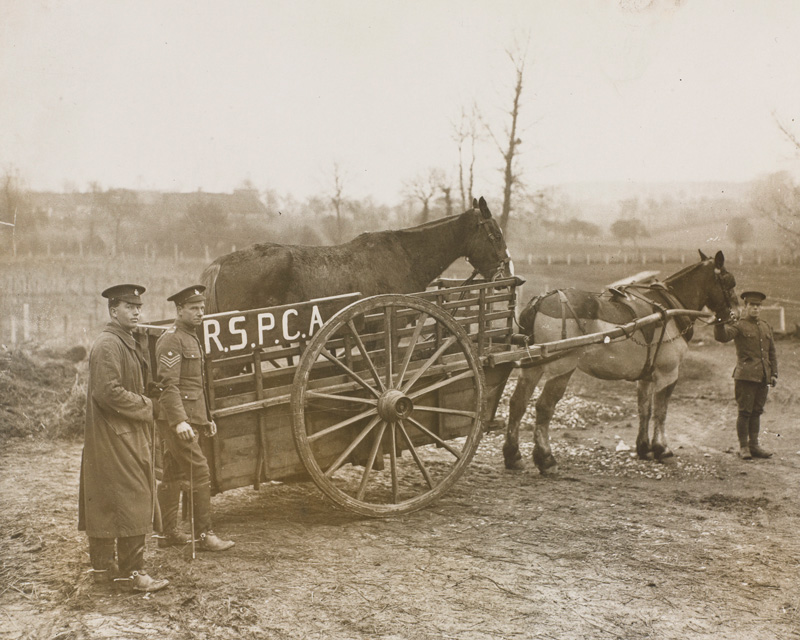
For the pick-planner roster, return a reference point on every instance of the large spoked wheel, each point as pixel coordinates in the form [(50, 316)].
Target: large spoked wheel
[(387, 405)]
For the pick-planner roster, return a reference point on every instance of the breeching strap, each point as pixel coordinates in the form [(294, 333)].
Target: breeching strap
[(567, 306)]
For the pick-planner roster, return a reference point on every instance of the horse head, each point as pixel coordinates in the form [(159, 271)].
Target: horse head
[(720, 296), (487, 251)]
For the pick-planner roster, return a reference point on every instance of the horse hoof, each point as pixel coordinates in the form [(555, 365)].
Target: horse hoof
[(515, 465), (550, 472), (546, 464), (662, 453), (644, 452)]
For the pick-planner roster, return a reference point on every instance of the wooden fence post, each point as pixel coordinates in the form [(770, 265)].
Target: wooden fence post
[(26, 322)]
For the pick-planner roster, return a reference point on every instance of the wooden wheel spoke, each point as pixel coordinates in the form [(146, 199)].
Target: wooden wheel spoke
[(365, 355), (434, 437), (442, 383), (393, 462), (327, 354), (370, 462), (331, 396), (342, 424), (429, 363), (455, 412), (415, 455), (356, 441), (423, 317), (388, 334)]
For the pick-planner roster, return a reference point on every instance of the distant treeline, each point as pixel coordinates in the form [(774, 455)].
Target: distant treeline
[(204, 225)]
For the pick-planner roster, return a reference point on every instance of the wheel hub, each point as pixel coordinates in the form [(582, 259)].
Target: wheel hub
[(394, 405)]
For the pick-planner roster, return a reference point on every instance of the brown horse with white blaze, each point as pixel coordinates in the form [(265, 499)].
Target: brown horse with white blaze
[(651, 356), (399, 261)]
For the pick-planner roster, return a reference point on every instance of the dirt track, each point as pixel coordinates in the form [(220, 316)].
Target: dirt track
[(705, 547)]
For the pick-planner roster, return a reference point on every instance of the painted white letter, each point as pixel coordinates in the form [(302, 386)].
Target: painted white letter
[(211, 332), (266, 322), (234, 331), (285, 323), (316, 320)]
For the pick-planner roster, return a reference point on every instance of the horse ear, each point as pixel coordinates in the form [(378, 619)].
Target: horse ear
[(474, 203), (703, 256), (484, 208), (719, 260)]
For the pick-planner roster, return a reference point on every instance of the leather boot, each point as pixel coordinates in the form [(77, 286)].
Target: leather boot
[(755, 427), (744, 453), (169, 494), (209, 541), (102, 552), (758, 452), (742, 425), (140, 581)]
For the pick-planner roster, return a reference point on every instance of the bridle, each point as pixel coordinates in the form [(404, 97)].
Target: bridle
[(726, 282), (505, 258)]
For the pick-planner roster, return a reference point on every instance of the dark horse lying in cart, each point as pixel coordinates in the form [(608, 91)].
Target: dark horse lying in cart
[(401, 261), (651, 356)]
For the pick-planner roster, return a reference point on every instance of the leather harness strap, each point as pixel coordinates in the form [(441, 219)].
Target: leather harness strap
[(673, 302), (567, 306)]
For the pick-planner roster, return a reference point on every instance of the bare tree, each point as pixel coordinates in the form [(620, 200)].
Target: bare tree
[(629, 229), (422, 188), (444, 185), (509, 147), (740, 231), (337, 200), (778, 197), (466, 132)]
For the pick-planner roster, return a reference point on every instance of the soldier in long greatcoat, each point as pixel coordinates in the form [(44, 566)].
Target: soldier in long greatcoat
[(756, 368), (116, 483), (184, 413)]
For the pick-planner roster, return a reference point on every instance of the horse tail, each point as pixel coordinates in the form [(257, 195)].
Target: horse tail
[(209, 280)]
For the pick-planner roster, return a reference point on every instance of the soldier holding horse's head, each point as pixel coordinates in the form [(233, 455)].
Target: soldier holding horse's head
[(756, 367)]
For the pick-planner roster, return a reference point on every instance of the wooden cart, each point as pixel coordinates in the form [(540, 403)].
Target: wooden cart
[(381, 401)]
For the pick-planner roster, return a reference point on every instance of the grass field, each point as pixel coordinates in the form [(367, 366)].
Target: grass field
[(65, 307)]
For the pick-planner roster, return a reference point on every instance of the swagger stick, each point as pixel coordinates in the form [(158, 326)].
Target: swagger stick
[(191, 507)]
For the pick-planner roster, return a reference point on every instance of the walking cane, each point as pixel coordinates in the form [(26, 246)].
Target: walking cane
[(191, 508)]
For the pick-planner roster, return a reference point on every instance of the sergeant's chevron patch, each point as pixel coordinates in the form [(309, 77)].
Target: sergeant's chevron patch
[(170, 362)]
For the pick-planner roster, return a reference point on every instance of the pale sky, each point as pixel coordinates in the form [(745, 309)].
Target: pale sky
[(180, 95)]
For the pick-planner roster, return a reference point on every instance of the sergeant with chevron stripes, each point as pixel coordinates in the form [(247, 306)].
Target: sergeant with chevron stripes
[(184, 413)]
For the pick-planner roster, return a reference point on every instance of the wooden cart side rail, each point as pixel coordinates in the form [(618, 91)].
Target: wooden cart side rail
[(233, 376), (532, 353)]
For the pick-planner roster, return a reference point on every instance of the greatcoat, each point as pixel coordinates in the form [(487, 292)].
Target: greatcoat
[(116, 485)]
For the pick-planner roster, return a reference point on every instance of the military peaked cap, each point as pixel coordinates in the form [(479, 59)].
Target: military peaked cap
[(195, 293), (125, 292), (753, 296)]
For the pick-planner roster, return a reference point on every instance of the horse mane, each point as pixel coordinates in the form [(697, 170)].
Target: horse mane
[(686, 270)]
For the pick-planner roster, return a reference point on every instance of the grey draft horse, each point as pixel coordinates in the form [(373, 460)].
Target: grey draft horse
[(650, 357)]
